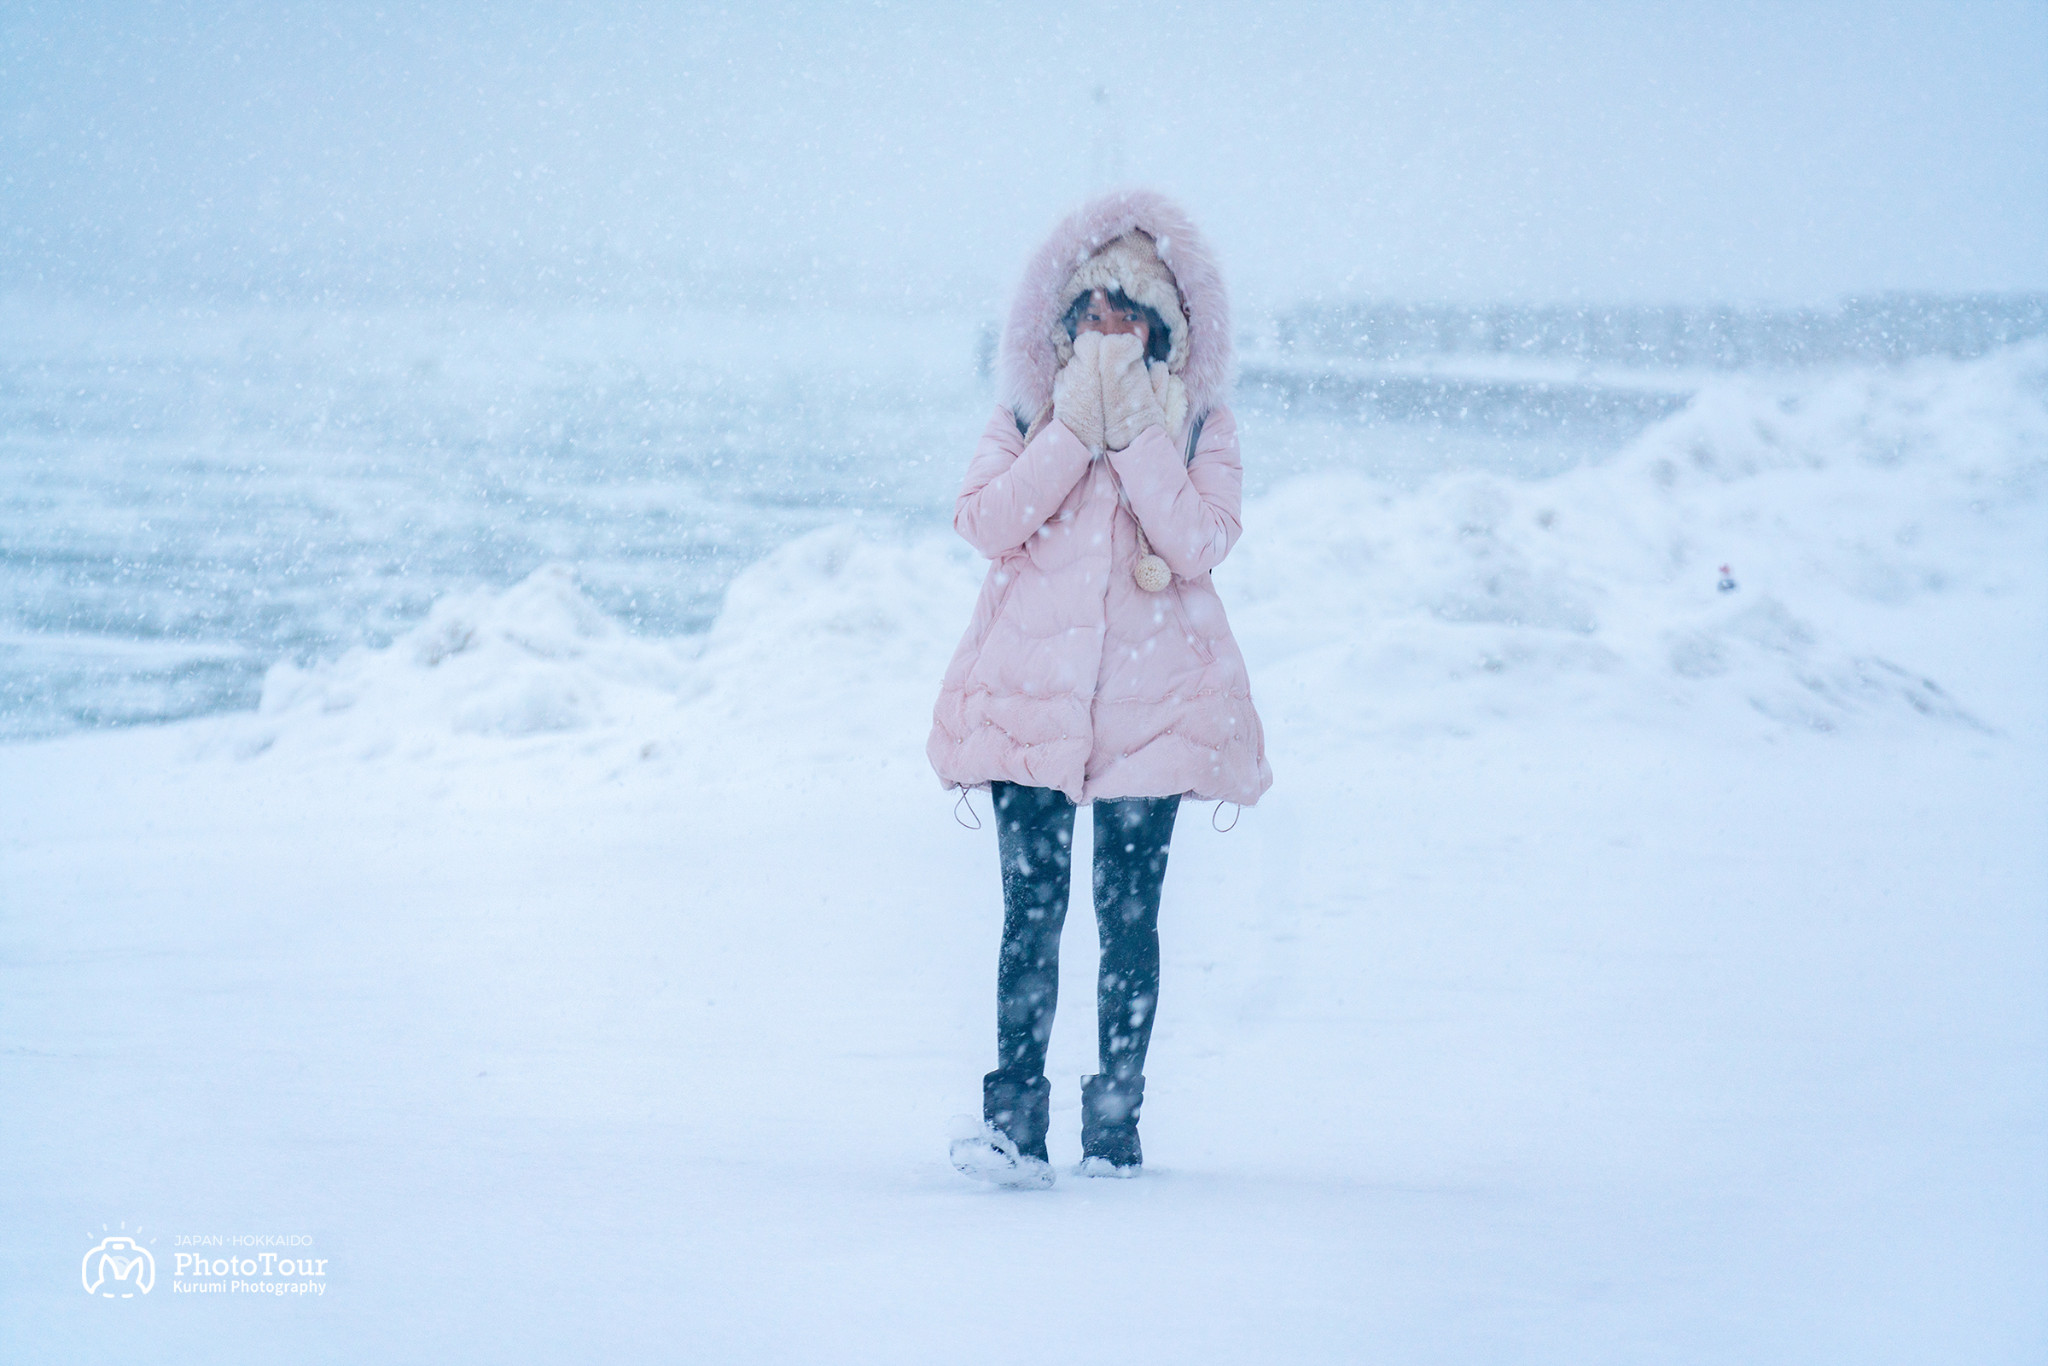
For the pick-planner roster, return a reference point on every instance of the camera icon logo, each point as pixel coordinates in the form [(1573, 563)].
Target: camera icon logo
[(119, 1268)]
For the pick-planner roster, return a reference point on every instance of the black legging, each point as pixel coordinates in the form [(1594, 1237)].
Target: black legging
[(1035, 835)]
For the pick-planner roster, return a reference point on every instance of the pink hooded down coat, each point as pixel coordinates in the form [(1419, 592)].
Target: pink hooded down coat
[(1069, 675)]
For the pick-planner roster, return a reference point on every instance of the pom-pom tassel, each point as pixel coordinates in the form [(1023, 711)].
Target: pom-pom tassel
[(1150, 571)]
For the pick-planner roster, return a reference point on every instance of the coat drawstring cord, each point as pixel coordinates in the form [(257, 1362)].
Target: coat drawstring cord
[(1217, 810), (971, 811)]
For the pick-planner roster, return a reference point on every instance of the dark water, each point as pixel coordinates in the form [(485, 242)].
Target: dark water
[(187, 498)]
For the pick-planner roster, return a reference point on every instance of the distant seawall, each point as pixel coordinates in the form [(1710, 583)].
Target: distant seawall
[(1862, 330), (1498, 403)]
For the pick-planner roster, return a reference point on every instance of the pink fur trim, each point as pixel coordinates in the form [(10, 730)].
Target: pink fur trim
[(1028, 361)]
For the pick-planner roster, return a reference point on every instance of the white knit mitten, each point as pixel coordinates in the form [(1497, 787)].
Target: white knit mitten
[(1129, 404), (1077, 391), (1173, 399)]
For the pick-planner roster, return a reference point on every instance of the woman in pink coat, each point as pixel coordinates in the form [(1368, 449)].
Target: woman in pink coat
[(1098, 666)]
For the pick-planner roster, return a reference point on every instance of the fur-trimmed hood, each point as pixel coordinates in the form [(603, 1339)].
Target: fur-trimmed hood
[(1029, 356)]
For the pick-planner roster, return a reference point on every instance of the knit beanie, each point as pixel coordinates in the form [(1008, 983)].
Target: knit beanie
[(1129, 264)]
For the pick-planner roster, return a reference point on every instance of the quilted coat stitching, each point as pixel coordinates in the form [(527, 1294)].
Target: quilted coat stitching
[(1069, 675)]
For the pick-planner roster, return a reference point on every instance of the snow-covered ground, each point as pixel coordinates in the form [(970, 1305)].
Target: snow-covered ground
[(1620, 969)]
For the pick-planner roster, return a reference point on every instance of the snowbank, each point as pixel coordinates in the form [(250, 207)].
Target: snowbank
[(1479, 596), (538, 658), (1839, 512)]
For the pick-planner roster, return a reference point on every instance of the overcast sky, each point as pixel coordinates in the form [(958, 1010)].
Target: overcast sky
[(1604, 151)]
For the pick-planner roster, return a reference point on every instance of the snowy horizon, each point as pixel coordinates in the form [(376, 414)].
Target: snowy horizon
[(1600, 152)]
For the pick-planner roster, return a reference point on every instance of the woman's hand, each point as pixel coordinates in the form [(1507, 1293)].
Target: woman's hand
[(1077, 391), (1130, 404)]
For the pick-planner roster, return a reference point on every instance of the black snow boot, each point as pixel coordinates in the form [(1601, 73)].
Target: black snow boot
[(1109, 1125), (1022, 1110), (1009, 1146)]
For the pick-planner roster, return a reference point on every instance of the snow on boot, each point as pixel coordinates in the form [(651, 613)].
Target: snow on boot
[(986, 1153), (1109, 1125), (1008, 1146)]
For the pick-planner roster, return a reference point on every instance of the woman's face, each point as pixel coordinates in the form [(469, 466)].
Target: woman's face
[(1098, 316)]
